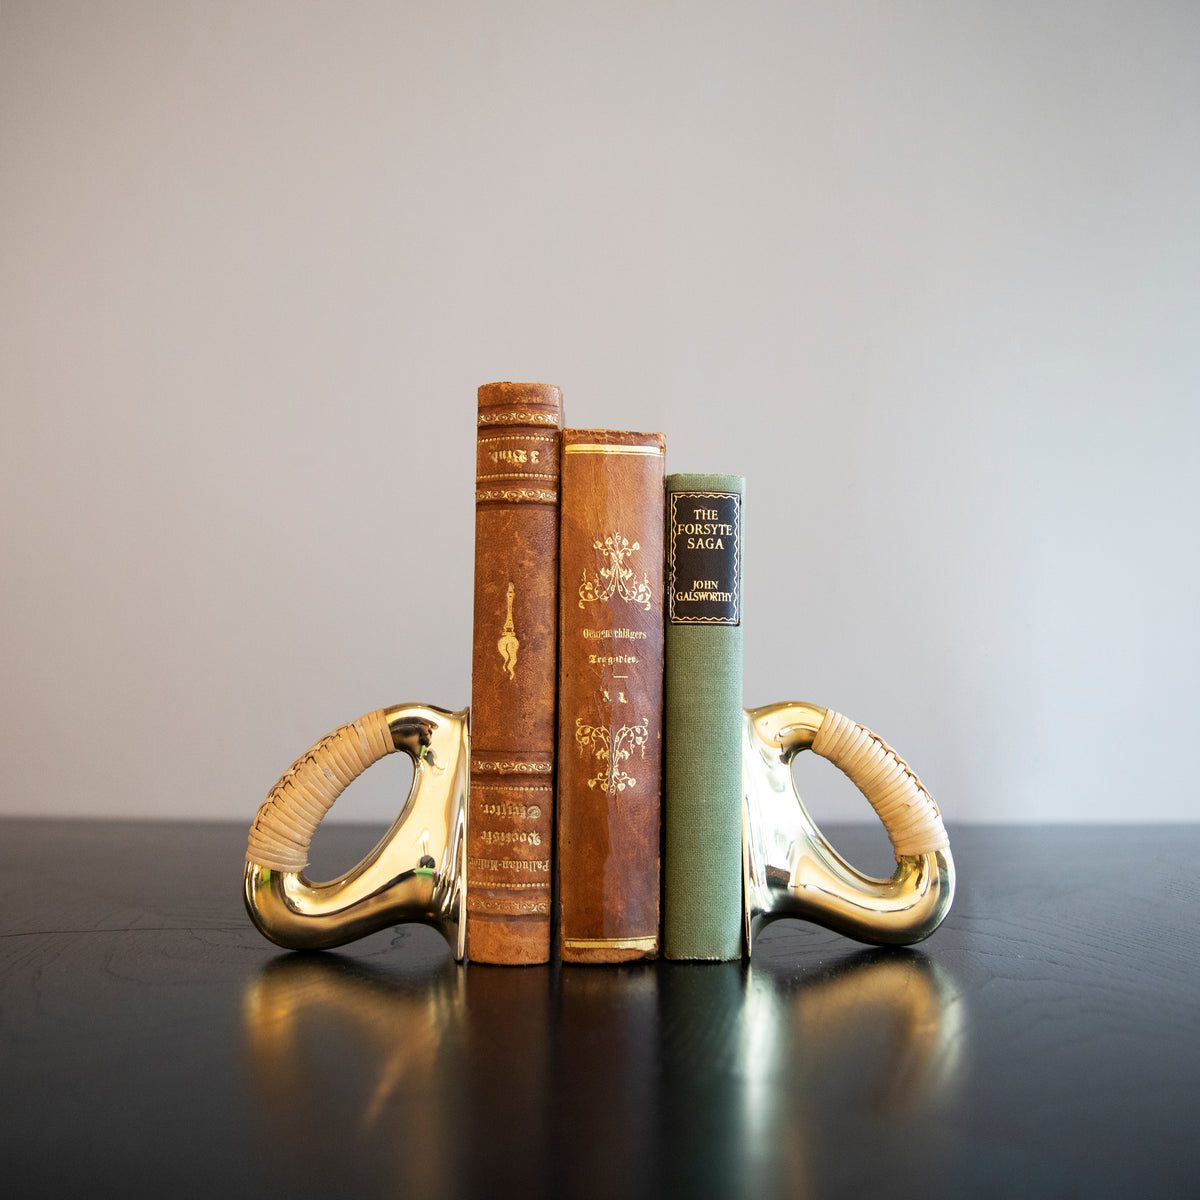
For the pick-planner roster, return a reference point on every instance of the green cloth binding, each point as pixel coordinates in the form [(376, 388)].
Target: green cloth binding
[(702, 776)]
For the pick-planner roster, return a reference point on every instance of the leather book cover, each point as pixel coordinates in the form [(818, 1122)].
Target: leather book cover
[(513, 674), (610, 694), (702, 753)]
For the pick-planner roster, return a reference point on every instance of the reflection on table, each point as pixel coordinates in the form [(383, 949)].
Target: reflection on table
[(639, 1077)]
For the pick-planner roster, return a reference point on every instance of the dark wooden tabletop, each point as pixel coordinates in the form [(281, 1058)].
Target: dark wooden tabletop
[(1044, 1042)]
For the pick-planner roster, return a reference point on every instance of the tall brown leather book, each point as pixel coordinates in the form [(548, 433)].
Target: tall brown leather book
[(511, 802), (610, 681)]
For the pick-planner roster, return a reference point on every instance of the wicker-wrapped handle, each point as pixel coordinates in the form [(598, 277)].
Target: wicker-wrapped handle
[(287, 819), (908, 812), (418, 869), (791, 870)]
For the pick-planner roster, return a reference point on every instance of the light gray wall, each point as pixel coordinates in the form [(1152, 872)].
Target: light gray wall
[(927, 273)]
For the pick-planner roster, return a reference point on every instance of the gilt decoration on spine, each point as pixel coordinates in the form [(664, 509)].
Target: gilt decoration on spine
[(610, 694)]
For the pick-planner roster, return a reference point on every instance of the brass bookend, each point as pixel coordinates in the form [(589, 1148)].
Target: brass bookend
[(790, 870), (418, 871)]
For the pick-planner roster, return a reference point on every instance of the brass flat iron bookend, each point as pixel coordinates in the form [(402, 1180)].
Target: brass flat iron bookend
[(790, 870), (417, 872)]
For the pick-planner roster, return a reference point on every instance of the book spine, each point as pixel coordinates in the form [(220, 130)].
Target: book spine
[(513, 674), (610, 694), (702, 753)]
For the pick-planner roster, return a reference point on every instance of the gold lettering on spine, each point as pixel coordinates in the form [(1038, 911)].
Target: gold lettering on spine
[(519, 812), (531, 837), (516, 450), (537, 865)]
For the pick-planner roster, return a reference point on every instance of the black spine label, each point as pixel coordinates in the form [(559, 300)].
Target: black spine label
[(704, 558)]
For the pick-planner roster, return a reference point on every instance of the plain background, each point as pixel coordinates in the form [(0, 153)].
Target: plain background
[(928, 274)]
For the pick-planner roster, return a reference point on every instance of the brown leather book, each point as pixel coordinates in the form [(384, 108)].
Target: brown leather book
[(511, 804), (610, 681)]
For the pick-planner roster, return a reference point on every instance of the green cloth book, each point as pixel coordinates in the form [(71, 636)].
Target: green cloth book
[(702, 743)]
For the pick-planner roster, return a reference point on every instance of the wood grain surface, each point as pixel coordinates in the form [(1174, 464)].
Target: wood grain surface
[(1045, 1041)]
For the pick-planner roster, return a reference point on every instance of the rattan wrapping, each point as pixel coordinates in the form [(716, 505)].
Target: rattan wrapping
[(286, 820), (908, 812)]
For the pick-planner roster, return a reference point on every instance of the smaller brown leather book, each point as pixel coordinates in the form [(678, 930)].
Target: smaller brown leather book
[(510, 832), (610, 680)]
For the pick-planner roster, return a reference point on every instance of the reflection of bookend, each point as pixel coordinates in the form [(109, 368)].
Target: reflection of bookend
[(417, 872), (790, 870)]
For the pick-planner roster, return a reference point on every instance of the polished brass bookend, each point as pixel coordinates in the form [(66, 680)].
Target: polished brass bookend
[(790, 870), (418, 871)]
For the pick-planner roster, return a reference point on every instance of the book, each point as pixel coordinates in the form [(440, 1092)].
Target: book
[(513, 674), (610, 680), (702, 750)]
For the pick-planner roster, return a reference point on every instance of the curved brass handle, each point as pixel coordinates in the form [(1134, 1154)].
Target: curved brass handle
[(415, 873), (790, 870)]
